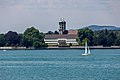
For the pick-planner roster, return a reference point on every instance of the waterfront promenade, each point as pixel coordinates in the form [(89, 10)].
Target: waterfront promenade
[(56, 47)]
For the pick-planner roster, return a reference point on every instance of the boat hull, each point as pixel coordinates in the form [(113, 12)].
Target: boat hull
[(85, 54)]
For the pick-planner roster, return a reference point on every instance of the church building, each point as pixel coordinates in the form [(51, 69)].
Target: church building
[(62, 39)]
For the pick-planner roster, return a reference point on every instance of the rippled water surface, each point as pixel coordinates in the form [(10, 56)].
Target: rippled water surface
[(59, 65)]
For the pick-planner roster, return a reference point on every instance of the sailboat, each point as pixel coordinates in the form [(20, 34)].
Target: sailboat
[(4, 50), (87, 50)]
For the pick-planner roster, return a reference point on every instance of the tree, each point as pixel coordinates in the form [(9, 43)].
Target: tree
[(56, 32), (111, 39), (32, 35), (49, 32), (105, 38), (21, 40), (38, 45), (2, 40), (12, 39), (65, 32), (70, 44), (102, 39), (85, 34), (117, 41)]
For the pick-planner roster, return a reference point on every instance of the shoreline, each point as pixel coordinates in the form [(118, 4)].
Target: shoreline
[(59, 48)]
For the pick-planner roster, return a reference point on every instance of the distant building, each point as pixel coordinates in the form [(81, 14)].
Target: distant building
[(72, 31), (61, 39), (62, 26)]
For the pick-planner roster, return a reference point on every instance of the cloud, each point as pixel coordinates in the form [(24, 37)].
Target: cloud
[(19, 14), (85, 5)]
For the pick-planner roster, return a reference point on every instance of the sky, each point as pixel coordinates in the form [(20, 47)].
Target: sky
[(18, 15)]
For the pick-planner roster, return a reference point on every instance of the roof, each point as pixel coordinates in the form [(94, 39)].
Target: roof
[(56, 36), (72, 31)]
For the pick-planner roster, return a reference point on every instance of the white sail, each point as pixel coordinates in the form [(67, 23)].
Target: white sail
[(87, 50), (86, 47)]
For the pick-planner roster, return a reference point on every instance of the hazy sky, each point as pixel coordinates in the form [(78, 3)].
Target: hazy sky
[(17, 15)]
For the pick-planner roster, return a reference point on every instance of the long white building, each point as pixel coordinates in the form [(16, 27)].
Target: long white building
[(56, 39)]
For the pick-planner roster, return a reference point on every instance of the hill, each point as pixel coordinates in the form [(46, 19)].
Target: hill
[(97, 27)]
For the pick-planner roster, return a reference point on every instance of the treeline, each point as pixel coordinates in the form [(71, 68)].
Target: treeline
[(102, 37), (56, 32), (33, 38), (30, 38)]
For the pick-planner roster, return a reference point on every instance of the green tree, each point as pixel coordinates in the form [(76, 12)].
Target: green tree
[(32, 36), (84, 40), (117, 40), (56, 32), (12, 39), (105, 38), (2, 40), (39, 45), (111, 39), (21, 40), (102, 38), (84, 34), (50, 32)]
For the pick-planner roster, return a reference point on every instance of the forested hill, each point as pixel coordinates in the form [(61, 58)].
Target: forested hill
[(97, 27)]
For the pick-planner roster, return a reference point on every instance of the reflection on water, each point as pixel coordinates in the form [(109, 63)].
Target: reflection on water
[(59, 65)]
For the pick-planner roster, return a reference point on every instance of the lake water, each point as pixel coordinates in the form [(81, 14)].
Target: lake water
[(102, 64)]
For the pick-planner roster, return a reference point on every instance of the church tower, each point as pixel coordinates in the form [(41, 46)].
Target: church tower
[(62, 26)]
